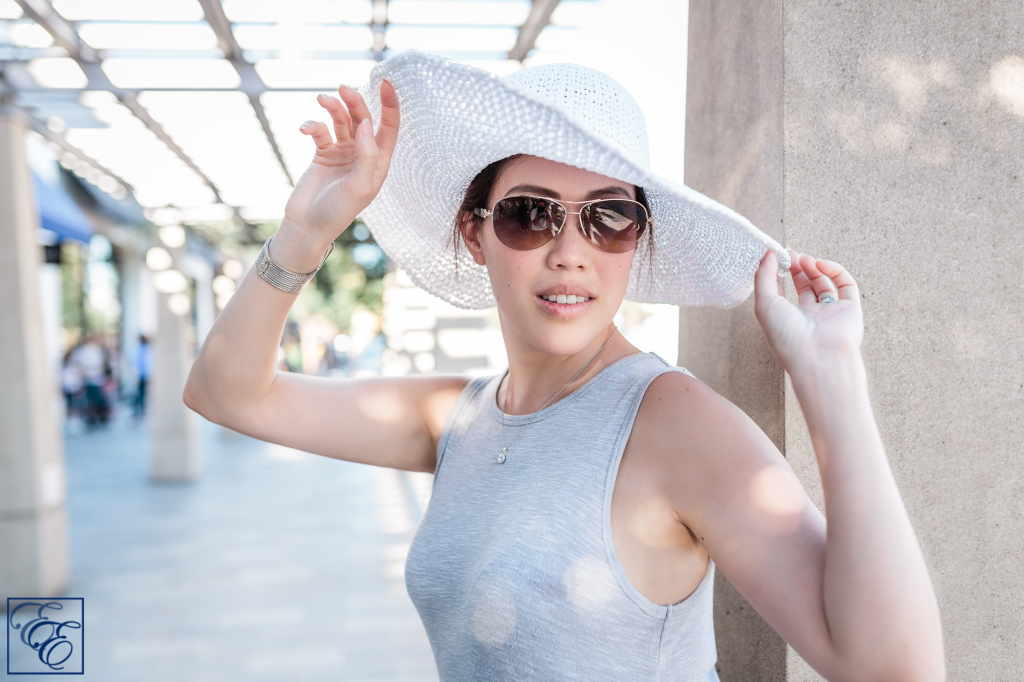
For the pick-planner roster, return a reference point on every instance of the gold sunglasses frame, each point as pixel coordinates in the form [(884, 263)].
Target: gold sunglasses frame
[(555, 231)]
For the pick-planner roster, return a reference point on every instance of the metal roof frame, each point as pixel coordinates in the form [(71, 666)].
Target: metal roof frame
[(65, 36)]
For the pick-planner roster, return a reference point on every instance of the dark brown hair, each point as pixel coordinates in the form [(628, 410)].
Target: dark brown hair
[(479, 191)]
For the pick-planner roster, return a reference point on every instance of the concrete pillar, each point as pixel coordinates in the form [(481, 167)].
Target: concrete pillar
[(173, 428), (131, 265), (52, 313), (200, 270), (147, 302), (33, 518), (890, 138), (733, 115)]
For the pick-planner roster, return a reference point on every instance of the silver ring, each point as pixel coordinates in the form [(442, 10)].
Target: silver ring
[(828, 297)]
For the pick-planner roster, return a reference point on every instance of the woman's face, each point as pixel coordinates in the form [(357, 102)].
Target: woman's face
[(568, 264)]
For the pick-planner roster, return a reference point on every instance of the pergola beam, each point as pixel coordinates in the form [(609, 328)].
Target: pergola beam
[(7, 102), (59, 140), (252, 84), (540, 16), (63, 32), (65, 35), (130, 101)]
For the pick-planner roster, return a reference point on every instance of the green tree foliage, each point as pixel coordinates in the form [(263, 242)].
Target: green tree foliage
[(348, 279)]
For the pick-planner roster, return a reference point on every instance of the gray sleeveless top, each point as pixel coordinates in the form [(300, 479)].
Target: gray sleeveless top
[(513, 569)]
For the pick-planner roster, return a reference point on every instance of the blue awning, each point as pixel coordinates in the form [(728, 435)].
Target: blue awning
[(59, 213)]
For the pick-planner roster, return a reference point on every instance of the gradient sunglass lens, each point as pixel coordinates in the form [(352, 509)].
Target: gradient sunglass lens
[(614, 226), (525, 223)]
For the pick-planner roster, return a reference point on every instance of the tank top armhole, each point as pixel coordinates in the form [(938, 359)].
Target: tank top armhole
[(468, 395), (649, 607)]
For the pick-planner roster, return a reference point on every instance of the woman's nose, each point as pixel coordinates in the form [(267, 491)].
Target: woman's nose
[(569, 247)]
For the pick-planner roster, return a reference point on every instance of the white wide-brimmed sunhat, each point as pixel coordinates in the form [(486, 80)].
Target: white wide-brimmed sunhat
[(455, 120)]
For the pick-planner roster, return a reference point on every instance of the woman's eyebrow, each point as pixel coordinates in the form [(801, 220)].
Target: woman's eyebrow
[(609, 190), (547, 192), (535, 189)]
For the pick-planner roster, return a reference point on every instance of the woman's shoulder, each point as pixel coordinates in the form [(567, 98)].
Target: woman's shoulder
[(691, 444), (682, 418), (674, 385)]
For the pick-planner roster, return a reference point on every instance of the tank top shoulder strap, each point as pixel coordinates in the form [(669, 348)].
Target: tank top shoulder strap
[(634, 373), (631, 385)]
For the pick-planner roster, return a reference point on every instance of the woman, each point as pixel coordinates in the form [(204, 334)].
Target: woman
[(582, 500)]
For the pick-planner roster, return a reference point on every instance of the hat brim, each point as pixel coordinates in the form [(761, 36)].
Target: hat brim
[(456, 119)]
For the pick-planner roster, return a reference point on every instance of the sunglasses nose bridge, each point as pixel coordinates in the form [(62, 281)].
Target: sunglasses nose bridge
[(557, 218), (584, 229), (557, 227)]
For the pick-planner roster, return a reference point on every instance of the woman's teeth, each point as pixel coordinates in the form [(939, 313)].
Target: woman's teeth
[(562, 298)]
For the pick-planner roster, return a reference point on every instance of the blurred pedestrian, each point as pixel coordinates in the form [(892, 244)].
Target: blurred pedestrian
[(93, 359), (73, 386), (143, 367)]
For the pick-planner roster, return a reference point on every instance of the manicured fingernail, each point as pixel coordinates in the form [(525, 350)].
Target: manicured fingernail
[(365, 130)]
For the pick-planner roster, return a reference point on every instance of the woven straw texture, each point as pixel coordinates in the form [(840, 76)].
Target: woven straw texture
[(457, 119)]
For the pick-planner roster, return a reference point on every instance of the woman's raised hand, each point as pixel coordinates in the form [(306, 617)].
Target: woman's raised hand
[(812, 334), (347, 171)]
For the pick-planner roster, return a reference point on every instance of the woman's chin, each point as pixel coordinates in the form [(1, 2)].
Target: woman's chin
[(560, 338)]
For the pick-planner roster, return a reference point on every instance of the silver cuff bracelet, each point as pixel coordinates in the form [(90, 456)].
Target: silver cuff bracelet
[(285, 280)]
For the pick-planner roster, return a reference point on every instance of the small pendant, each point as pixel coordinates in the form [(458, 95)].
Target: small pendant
[(501, 457)]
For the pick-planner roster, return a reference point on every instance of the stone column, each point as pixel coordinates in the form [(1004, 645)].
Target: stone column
[(200, 270), (33, 518), (173, 428), (734, 120), (51, 309), (131, 266), (890, 138)]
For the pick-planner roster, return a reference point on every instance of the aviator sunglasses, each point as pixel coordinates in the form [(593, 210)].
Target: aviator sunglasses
[(527, 222)]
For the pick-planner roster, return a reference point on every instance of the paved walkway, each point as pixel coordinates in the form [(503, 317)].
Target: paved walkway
[(275, 565)]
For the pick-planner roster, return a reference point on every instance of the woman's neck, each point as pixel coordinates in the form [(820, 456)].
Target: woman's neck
[(535, 377)]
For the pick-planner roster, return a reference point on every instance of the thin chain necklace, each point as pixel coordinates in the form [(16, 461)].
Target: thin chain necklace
[(504, 451)]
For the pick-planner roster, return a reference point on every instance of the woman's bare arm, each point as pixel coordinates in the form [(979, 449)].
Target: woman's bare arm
[(392, 422), (854, 597)]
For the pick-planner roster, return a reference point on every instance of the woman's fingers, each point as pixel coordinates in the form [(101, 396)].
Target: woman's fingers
[(805, 293), (387, 133), (366, 161), (794, 261), (356, 106), (814, 277), (766, 281), (318, 131), (848, 289), (808, 267), (340, 116), (804, 290), (819, 281)]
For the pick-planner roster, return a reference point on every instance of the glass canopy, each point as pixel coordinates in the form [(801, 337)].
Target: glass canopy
[(196, 104)]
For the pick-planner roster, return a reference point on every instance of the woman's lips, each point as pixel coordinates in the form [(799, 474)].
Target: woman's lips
[(564, 310)]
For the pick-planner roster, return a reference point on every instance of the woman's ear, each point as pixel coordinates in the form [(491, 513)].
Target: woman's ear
[(471, 237)]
